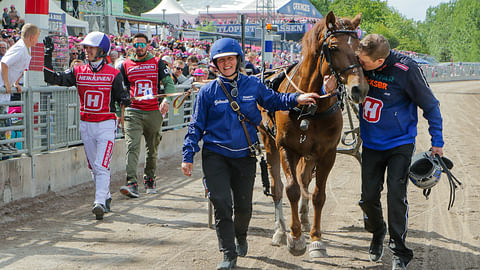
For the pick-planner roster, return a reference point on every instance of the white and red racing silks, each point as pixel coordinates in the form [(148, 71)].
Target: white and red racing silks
[(94, 90), (143, 78)]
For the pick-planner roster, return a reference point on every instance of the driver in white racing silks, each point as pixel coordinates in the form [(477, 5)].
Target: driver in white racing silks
[(99, 87)]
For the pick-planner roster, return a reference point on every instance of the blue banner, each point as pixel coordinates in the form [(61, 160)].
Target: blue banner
[(300, 8), (236, 29), (292, 28), (289, 28)]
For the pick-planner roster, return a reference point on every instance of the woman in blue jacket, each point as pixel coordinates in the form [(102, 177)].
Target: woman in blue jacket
[(228, 164)]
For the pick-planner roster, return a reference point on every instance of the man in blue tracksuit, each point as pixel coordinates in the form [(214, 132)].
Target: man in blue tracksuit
[(228, 164), (388, 127)]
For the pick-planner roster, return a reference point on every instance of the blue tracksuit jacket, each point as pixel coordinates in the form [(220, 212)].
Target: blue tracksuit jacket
[(388, 117), (214, 121)]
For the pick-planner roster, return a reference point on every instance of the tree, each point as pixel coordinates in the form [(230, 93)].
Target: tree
[(322, 6), (378, 18)]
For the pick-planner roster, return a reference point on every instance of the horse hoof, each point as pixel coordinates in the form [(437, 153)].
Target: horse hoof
[(317, 250), (296, 247), (279, 238)]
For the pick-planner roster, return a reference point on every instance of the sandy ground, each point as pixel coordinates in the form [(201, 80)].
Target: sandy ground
[(169, 230)]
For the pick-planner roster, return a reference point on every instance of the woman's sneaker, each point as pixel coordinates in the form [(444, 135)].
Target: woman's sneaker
[(130, 190), (150, 187)]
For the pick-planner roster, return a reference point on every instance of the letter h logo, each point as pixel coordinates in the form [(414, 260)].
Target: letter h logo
[(372, 109), (143, 88), (93, 100)]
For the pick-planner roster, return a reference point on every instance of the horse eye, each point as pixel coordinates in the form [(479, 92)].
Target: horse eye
[(334, 47)]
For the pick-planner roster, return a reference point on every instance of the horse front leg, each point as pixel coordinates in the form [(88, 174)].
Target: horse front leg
[(296, 242), (317, 248), (273, 165)]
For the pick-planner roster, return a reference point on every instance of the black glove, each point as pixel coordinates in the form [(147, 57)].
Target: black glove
[(48, 45)]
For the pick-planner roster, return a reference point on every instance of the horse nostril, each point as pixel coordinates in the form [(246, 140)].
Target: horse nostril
[(355, 93)]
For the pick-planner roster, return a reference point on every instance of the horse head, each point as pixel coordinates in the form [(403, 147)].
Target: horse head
[(330, 48)]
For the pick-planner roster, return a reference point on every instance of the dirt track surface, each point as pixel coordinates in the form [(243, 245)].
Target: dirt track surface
[(169, 230)]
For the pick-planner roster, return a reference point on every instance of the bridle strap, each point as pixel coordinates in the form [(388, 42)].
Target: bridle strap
[(326, 50), (348, 68)]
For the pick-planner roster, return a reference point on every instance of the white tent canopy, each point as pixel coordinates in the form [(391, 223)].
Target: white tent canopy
[(170, 11)]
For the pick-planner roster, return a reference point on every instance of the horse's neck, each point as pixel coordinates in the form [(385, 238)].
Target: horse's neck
[(310, 76)]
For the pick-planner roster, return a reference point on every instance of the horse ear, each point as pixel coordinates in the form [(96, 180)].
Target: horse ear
[(330, 20), (356, 21)]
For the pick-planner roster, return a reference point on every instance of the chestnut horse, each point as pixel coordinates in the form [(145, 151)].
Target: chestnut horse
[(306, 139)]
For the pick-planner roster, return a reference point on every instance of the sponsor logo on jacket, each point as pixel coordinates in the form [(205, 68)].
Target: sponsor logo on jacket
[(151, 67), (377, 84), (372, 109), (95, 77)]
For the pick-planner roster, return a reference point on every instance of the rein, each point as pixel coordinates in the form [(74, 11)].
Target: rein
[(326, 54), (334, 93), (179, 96)]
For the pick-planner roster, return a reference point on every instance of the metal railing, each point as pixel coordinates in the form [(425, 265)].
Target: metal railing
[(451, 72), (48, 117)]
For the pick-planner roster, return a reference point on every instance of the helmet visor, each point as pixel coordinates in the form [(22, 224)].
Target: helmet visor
[(224, 54)]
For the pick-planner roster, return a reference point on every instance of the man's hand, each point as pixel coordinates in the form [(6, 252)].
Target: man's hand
[(121, 123), (187, 168), (164, 106), (308, 98), (19, 88), (8, 88), (436, 151)]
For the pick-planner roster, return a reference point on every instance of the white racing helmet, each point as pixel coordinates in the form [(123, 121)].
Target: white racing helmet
[(98, 39), (425, 171)]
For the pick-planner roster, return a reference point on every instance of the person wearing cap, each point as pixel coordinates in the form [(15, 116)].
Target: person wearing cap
[(228, 163), (99, 86), (144, 75), (14, 16), (15, 61), (167, 60), (198, 75)]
